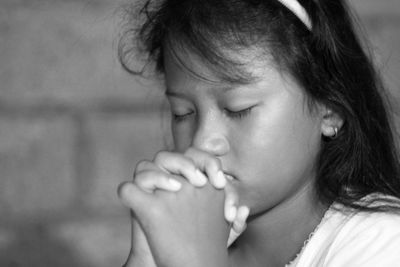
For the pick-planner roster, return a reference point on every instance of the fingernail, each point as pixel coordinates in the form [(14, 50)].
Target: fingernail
[(220, 181), (231, 214), (174, 184), (233, 235), (242, 213), (201, 178), (239, 227)]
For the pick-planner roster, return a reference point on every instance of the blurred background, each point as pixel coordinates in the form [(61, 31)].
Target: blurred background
[(73, 125)]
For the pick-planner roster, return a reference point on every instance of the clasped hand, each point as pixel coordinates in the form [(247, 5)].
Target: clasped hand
[(184, 218)]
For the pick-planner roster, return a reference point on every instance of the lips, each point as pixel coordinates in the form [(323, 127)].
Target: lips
[(229, 177)]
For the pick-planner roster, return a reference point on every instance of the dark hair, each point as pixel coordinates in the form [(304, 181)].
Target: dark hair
[(328, 61)]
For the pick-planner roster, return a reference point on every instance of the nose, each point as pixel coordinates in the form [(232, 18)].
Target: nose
[(211, 138)]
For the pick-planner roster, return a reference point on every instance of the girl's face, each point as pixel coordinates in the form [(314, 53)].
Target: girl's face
[(263, 133)]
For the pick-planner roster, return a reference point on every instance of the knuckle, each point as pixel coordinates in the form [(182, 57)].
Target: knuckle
[(138, 179), (141, 166), (165, 159), (161, 156), (190, 151), (144, 178), (190, 160), (193, 155), (151, 180), (188, 163), (213, 163), (123, 189)]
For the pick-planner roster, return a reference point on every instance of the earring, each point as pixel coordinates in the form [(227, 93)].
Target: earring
[(335, 129)]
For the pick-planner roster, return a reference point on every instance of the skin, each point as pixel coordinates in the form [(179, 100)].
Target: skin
[(264, 135), (157, 174)]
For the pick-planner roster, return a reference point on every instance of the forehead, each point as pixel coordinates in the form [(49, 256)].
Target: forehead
[(239, 67), (188, 74)]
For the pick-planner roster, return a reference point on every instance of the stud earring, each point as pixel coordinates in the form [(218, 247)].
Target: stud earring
[(335, 129)]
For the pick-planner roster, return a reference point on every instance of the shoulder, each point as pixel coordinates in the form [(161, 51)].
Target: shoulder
[(345, 238), (366, 239)]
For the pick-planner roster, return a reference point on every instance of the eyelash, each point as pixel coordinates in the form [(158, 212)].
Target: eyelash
[(180, 118), (239, 114), (233, 114)]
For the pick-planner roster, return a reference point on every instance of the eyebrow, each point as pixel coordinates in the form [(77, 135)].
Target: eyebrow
[(169, 92)]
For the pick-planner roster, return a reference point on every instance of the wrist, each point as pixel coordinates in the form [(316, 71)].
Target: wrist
[(139, 260), (211, 258), (140, 254)]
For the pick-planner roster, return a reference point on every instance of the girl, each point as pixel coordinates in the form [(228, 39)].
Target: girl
[(275, 103)]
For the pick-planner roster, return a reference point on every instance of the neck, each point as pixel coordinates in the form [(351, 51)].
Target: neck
[(277, 235)]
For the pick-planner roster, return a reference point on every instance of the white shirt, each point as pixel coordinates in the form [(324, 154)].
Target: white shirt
[(367, 239)]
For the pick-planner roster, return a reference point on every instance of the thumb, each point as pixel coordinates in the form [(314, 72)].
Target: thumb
[(133, 197)]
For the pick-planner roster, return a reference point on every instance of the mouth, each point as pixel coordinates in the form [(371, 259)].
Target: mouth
[(229, 177)]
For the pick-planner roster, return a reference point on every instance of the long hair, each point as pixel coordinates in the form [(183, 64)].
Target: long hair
[(328, 61)]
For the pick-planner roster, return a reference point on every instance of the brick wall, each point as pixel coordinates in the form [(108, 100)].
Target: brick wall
[(73, 124)]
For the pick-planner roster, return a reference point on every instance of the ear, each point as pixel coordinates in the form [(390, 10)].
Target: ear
[(331, 123)]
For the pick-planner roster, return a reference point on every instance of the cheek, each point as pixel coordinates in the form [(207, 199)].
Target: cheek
[(182, 134), (279, 153), (287, 140)]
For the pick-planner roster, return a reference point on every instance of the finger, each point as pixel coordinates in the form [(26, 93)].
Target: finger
[(239, 225), (232, 237), (159, 179), (133, 197), (145, 165), (152, 180), (231, 202), (176, 163), (208, 164)]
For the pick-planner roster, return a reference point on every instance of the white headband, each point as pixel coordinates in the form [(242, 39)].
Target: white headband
[(298, 10)]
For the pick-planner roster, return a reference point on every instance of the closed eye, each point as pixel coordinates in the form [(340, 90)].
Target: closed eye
[(240, 113), (181, 117)]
